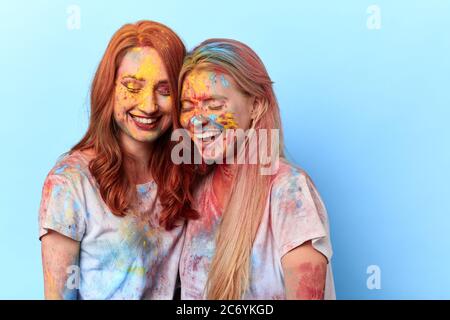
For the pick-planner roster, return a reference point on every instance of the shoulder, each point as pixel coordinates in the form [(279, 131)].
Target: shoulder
[(297, 212), (290, 178), (71, 166), (63, 202), (293, 190), (70, 169)]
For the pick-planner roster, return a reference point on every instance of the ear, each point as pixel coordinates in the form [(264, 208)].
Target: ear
[(257, 108)]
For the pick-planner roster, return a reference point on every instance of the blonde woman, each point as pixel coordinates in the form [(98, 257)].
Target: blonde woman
[(259, 236)]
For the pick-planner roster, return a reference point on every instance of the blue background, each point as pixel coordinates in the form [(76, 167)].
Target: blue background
[(365, 113)]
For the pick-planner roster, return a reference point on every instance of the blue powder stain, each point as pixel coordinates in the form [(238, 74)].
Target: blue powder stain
[(56, 190), (61, 169), (256, 261), (217, 48), (295, 172), (212, 78), (224, 81), (213, 119), (76, 206), (142, 189), (195, 121)]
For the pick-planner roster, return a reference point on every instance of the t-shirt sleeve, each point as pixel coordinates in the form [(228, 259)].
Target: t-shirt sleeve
[(62, 207), (299, 215)]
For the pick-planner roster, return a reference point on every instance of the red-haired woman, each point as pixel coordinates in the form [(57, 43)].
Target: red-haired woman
[(112, 209)]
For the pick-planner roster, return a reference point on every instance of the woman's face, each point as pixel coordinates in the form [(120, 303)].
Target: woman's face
[(211, 103), (143, 102)]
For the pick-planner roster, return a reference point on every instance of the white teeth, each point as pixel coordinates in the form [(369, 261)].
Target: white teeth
[(144, 120), (207, 134)]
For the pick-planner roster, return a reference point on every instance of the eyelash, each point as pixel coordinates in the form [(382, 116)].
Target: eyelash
[(129, 88), (163, 92), (211, 107), (215, 107), (186, 109)]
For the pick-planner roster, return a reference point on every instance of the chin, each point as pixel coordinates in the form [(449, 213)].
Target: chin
[(213, 158), (148, 137)]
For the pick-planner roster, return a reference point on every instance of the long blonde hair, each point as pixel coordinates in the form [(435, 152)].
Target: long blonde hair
[(229, 274)]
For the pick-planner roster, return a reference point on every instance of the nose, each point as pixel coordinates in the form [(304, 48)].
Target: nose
[(149, 104), (199, 121)]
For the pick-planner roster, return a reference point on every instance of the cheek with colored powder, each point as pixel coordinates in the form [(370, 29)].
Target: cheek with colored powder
[(196, 121), (186, 118), (227, 120), (124, 100)]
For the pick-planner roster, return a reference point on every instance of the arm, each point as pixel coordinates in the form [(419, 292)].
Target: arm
[(305, 271), (60, 255)]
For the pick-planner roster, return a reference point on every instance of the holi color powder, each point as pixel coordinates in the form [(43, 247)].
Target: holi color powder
[(212, 79), (195, 120), (227, 120), (213, 120), (224, 81)]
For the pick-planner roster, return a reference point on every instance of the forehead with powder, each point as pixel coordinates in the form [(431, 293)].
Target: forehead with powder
[(202, 84), (142, 63)]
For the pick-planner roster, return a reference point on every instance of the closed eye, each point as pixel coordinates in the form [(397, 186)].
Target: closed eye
[(215, 107), (186, 108), (186, 105), (132, 86), (163, 92), (163, 89)]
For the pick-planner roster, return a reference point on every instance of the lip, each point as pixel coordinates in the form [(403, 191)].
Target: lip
[(145, 126), (207, 137)]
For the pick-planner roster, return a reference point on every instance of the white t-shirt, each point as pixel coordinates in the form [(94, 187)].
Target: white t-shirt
[(294, 214), (129, 257)]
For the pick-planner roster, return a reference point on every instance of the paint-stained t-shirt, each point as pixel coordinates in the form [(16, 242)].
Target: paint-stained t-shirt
[(128, 257), (294, 214)]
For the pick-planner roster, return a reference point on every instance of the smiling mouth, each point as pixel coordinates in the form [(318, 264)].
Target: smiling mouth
[(145, 123), (207, 136)]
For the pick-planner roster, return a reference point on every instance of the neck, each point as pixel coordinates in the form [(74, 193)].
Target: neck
[(139, 158), (223, 182), (226, 172)]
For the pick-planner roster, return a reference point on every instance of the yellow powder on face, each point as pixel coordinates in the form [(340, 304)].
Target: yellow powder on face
[(227, 121), (146, 66), (148, 70), (198, 84), (184, 118)]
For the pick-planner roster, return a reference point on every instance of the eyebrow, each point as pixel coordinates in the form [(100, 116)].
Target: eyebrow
[(132, 77), (160, 82), (206, 99)]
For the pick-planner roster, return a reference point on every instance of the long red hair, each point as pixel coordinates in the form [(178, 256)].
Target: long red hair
[(108, 164)]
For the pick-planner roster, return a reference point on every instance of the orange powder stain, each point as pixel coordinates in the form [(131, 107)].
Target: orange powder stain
[(198, 84), (227, 120)]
